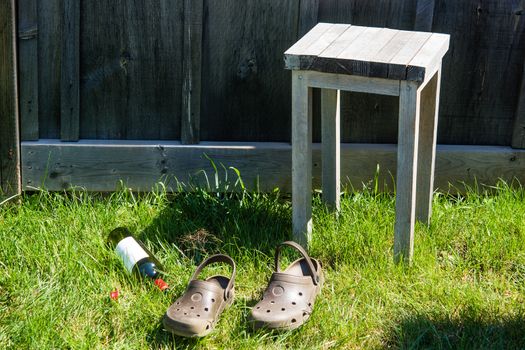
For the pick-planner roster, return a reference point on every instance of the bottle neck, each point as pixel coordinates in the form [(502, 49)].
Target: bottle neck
[(148, 269)]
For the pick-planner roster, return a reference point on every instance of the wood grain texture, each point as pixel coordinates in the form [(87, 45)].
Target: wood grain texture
[(428, 57), (307, 16), (331, 148), (482, 71), (428, 123), (301, 159), (191, 70), (9, 131), (246, 92), (98, 165), (131, 76), (407, 151), (28, 68), (50, 19), (424, 15), (518, 134), (351, 83), (69, 73)]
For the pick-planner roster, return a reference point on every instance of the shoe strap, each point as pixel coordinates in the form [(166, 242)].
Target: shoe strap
[(218, 258), (313, 272)]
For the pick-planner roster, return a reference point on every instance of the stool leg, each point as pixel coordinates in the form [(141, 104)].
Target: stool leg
[(427, 148), (407, 149), (301, 158), (331, 149)]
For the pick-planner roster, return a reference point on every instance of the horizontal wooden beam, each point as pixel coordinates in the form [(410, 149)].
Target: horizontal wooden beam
[(99, 165), (351, 83)]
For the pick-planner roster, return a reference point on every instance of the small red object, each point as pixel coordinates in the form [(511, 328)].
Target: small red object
[(113, 295), (161, 284)]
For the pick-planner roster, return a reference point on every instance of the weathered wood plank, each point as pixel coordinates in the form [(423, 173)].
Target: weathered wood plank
[(428, 123), (131, 69), (28, 68), (352, 83), (70, 73), (379, 66), (518, 134), (397, 68), (343, 41), (372, 54), (50, 18), (246, 92), (326, 40), (428, 57), (309, 39), (191, 70), (331, 147), (307, 17), (9, 130), (98, 165), (407, 147), (424, 15), (301, 159)]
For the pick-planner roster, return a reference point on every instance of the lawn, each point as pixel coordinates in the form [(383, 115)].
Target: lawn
[(465, 288)]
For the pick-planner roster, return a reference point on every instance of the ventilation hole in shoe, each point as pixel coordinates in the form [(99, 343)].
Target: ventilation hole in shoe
[(294, 320), (198, 315), (185, 313), (212, 300), (309, 304), (206, 309), (268, 311), (300, 294), (258, 307), (178, 302), (207, 327), (178, 309), (272, 302), (283, 309), (193, 307), (304, 314), (293, 303)]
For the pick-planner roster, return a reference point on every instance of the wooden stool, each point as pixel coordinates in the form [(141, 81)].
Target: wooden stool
[(336, 57)]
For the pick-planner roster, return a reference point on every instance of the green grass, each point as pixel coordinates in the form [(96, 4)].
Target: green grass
[(465, 288)]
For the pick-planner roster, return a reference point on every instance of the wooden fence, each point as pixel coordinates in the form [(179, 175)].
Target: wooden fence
[(207, 73)]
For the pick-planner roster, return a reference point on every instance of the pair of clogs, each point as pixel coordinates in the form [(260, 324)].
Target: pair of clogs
[(287, 302)]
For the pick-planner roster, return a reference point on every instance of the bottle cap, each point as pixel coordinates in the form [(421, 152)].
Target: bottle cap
[(161, 284), (113, 295)]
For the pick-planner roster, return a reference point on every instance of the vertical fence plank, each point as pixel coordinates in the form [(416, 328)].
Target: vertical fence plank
[(191, 68), (308, 12), (69, 78), (424, 15), (518, 134), (9, 139), (28, 68)]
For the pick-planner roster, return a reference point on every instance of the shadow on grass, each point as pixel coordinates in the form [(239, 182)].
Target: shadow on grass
[(422, 332), (201, 223)]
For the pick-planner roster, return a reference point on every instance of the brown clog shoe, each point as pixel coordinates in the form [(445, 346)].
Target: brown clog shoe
[(197, 311), (289, 299)]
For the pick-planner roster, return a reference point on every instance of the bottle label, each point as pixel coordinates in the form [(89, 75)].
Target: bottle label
[(130, 252)]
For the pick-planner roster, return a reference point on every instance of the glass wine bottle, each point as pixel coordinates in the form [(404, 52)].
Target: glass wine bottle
[(136, 257)]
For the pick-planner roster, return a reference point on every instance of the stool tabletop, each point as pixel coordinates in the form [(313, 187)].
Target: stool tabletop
[(368, 51)]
